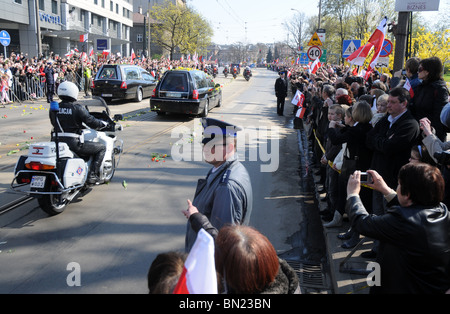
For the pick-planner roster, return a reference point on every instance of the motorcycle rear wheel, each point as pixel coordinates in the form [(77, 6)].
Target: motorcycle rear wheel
[(51, 205)]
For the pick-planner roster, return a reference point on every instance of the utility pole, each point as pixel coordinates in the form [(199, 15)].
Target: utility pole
[(149, 34), (401, 35), (38, 29)]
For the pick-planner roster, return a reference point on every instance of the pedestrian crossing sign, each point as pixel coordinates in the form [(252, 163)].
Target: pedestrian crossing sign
[(350, 46), (315, 40)]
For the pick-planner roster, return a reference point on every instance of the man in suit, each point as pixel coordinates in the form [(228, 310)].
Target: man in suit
[(391, 141), (281, 88)]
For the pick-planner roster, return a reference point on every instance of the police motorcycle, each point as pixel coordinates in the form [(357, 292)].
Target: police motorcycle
[(235, 72), (225, 71), (215, 71), (247, 73), (55, 175)]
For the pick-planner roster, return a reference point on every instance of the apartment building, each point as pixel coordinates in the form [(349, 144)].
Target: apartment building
[(45, 26)]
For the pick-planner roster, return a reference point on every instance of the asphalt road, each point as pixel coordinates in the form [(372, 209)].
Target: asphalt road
[(108, 238)]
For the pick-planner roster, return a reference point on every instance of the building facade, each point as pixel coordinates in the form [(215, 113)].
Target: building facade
[(55, 26)]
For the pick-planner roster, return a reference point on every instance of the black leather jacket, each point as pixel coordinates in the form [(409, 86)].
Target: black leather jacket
[(71, 116), (414, 253)]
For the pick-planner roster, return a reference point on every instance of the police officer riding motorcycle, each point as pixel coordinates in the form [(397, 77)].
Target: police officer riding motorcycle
[(247, 73), (68, 123)]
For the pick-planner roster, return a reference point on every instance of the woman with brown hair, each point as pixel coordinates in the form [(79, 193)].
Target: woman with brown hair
[(248, 263), (414, 255)]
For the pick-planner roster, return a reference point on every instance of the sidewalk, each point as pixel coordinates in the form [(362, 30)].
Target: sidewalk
[(347, 269)]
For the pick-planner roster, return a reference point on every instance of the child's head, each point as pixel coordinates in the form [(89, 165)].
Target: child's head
[(348, 119), (382, 103), (335, 113)]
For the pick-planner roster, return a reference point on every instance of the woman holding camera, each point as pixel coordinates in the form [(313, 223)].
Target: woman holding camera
[(414, 255)]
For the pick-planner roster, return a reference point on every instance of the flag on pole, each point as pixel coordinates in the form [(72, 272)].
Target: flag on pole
[(315, 66), (105, 52), (409, 88), (376, 41), (84, 38), (76, 49), (91, 52), (132, 54), (299, 100), (199, 273)]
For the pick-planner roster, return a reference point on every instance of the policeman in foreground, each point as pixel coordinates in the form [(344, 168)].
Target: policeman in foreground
[(68, 122), (225, 196)]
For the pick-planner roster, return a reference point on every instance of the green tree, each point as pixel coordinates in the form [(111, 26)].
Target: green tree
[(179, 27)]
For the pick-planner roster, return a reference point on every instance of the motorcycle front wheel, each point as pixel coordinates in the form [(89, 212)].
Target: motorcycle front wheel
[(109, 169)]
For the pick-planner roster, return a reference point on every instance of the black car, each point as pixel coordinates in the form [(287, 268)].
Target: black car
[(123, 81), (191, 92)]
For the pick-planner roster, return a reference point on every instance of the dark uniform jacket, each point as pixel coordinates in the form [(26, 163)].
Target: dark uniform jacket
[(71, 117), (414, 253), (224, 197), (281, 87)]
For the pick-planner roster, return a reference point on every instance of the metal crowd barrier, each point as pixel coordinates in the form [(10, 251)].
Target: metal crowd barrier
[(34, 88)]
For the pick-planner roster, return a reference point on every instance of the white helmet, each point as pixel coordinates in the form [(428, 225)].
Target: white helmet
[(68, 91)]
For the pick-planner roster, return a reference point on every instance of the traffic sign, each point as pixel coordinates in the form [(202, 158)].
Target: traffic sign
[(304, 58), (350, 46), (315, 40), (387, 48), (5, 39), (323, 57), (314, 52)]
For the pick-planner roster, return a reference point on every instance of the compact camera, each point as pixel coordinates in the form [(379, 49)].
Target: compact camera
[(366, 177)]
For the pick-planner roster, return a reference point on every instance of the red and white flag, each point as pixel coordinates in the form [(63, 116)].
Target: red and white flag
[(199, 273), (409, 88), (84, 38), (376, 41), (91, 52), (84, 57), (106, 52), (300, 104), (315, 66), (69, 54), (132, 54)]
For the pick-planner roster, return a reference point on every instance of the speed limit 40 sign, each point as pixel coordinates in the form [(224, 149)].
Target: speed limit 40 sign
[(314, 53)]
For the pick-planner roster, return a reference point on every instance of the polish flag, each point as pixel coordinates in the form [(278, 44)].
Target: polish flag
[(76, 49), (132, 54), (84, 38), (69, 54), (84, 57), (375, 41), (315, 66), (199, 273), (300, 97), (91, 52), (409, 88), (106, 52)]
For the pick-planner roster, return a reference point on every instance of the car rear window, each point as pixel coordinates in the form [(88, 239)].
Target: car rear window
[(107, 73), (176, 82)]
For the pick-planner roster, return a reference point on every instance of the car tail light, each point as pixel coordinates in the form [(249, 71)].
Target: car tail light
[(154, 93), (34, 165), (93, 85), (123, 85), (195, 94)]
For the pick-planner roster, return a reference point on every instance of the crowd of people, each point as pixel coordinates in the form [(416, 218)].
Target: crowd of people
[(381, 126), (24, 77)]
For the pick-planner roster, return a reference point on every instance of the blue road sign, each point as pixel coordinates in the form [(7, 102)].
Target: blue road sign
[(304, 58), (350, 46), (387, 48), (5, 39)]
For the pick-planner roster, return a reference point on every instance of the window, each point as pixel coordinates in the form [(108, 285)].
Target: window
[(111, 6), (54, 7), (95, 2), (18, 1), (117, 8), (41, 5), (103, 3), (99, 20), (139, 38)]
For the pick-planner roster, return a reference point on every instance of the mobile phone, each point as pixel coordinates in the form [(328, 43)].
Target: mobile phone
[(403, 72), (366, 177)]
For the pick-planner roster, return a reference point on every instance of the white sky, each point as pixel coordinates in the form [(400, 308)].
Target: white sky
[(253, 21)]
